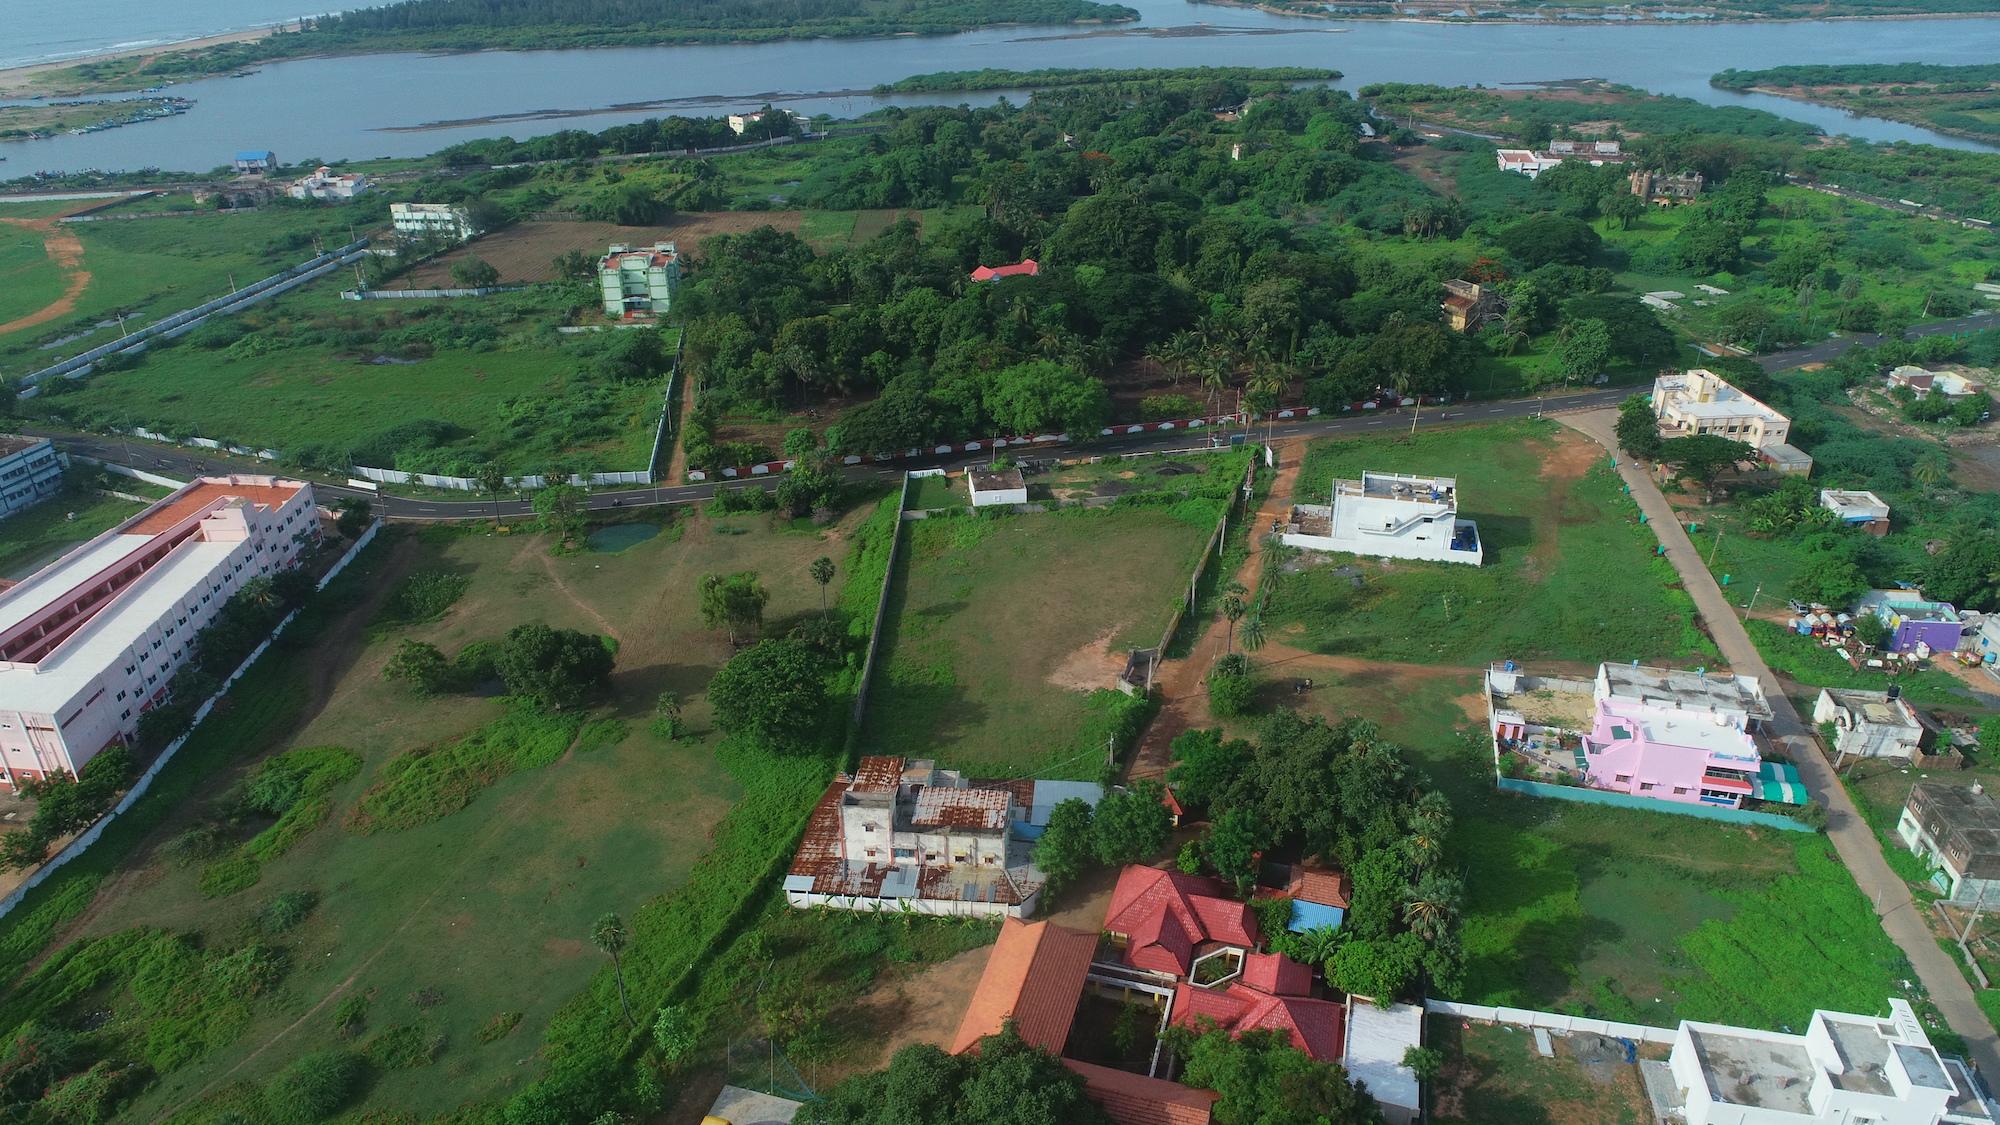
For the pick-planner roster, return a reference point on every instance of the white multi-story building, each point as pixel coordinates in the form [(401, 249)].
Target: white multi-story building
[(1845, 1070), (327, 184), (639, 281), (907, 835), (1699, 401), (30, 471), (1389, 515), (431, 220), (92, 640)]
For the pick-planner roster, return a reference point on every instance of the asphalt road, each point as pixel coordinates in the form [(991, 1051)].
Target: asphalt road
[(173, 461), (1827, 350)]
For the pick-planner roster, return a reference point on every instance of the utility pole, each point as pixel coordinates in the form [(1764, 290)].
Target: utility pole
[(1752, 604), (1414, 414), (1716, 547)]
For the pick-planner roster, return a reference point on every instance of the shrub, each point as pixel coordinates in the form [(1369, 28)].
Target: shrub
[(426, 595), (314, 1088), (432, 782), (351, 1015), (283, 913), (1230, 687), (403, 1047), (499, 1027)]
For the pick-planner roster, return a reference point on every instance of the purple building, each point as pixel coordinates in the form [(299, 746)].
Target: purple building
[(1913, 621)]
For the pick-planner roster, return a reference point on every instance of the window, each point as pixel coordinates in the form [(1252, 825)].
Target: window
[(1680, 790), (126, 714), (121, 695), (871, 853), (1624, 778), (1647, 787), (958, 858)]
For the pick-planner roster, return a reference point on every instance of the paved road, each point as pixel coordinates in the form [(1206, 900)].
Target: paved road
[(1856, 842), (174, 461), (1828, 350)]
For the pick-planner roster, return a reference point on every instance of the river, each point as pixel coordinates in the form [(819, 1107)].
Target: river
[(366, 106)]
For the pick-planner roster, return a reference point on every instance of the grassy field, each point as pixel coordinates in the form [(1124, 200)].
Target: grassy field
[(148, 269), (29, 280), (1568, 571), (33, 538), (1637, 916), (1493, 1076), (481, 916), (486, 384), (1002, 628)]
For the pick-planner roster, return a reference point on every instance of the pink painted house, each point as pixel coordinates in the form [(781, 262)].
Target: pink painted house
[(1675, 736), (1658, 733)]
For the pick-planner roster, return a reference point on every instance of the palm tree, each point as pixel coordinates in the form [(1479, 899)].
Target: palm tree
[(608, 932), (1253, 633), (822, 573), (1928, 471), (260, 592), (1216, 364), (1318, 945), (1232, 608), (1433, 905)]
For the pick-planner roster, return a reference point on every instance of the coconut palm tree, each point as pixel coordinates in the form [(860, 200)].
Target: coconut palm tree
[(1233, 609), (1930, 470), (609, 934), (1318, 945), (1253, 632), (1433, 905), (822, 573)]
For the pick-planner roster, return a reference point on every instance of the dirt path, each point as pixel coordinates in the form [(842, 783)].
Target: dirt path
[(65, 249), (677, 464), (584, 607), (1183, 690)]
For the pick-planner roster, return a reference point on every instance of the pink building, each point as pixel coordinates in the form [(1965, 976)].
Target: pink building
[(91, 641), (1667, 735)]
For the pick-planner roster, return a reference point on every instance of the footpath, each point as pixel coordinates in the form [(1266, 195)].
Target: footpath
[(1182, 683), (1852, 838)]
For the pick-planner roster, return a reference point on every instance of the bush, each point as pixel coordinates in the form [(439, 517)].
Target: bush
[(426, 595), (499, 1027), (350, 1015), (1230, 686), (403, 1047), (314, 1088), (283, 913)]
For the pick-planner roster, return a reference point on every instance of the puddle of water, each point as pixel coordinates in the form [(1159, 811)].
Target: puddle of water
[(618, 536)]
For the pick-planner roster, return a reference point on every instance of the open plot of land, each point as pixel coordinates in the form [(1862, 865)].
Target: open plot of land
[(149, 269), (1637, 916), (1494, 1076), (1001, 628), (485, 912), (1569, 572), (425, 385), (30, 279)]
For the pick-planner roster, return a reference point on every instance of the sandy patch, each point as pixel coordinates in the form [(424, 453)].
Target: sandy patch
[(925, 1008), (65, 249), (1090, 667)]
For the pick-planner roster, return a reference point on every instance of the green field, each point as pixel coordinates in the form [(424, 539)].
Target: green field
[(430, 387), (1494, 1076), (483, 913), (149, 269), (1568, 572), (1006, 633), (1626, 915), (29, 281)]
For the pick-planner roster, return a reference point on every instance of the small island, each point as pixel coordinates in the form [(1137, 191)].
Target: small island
[(36, 122), (1963, 101)]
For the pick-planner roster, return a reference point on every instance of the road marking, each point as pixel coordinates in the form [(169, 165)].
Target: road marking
[(1495, 410)]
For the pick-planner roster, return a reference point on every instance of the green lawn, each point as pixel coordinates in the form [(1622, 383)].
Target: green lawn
[(1620, 914), (148, 269), (1568, 574), (424, 387), (29, 280), (484, 913), (30, 540), (1001, 627), (936, 492)]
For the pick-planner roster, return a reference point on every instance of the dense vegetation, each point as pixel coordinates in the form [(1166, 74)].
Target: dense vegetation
[(951, 81), (1954, 99)]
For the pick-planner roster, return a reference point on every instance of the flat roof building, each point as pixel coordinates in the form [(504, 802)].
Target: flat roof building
[(31, 471), (92, 641), (1845, 1069), (1956, 830), (1875, 724), (1699, 401), (1916, 624), (994, 487), (326, 184), (422, 220), (1389, 515), (1864, 510), (638, 282)]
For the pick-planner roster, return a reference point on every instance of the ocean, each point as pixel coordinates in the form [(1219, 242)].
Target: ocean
[(49, 30)]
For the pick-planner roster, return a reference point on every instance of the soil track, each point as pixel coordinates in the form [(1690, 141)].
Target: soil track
[(65, 249), (526, 252)]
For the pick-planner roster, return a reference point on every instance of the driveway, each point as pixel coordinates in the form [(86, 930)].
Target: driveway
[(1852, 838)]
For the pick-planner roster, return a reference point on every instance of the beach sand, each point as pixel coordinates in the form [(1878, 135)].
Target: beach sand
[(27, 81)]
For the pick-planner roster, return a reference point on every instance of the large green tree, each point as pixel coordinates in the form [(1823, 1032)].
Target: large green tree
[(555, 668), (774, 692), (1005, 1082)]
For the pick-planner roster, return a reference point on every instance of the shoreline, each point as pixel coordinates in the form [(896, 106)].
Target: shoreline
[(1573, 19), (19, 81), (1794, 93)]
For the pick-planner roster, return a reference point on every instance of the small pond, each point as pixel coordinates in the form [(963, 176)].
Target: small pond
[(613, 538)]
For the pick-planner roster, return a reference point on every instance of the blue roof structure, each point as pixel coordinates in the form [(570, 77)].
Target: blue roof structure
[(1314, 916)]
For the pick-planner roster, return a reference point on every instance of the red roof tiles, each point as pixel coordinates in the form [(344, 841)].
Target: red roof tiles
[(1134, 1099), (1277, 974), (1034, 977), (1318, 885), (1317, 1027), (1027, 267), (1166, 915)]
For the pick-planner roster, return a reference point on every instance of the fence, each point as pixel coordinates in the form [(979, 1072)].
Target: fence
[(90, 835), (662, 433), (1209, 554), (203, 443), (1648, 804), (418, 294), (468, 484), (135, 474), (881, 608), (185, 320), (1552, 1021)]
